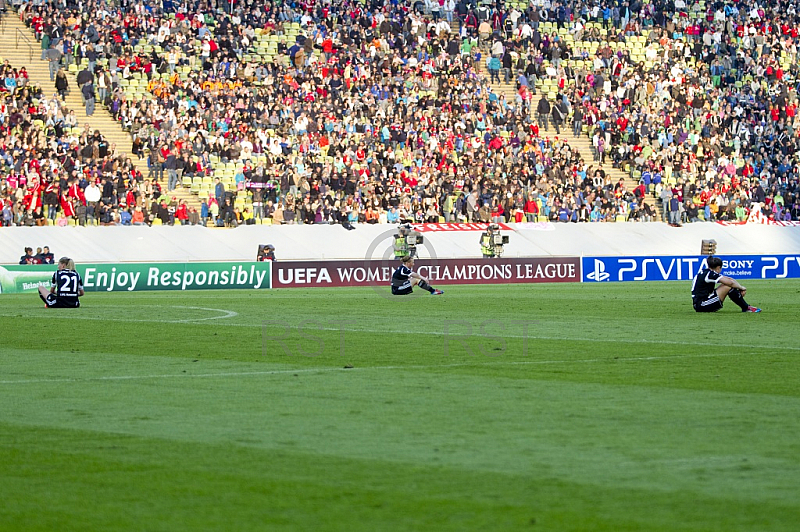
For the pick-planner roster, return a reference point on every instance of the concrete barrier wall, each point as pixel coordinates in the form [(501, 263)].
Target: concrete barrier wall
[(181, 244)]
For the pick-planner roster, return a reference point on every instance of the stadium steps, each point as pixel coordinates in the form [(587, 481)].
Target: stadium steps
[(39, 74), (583, 143)]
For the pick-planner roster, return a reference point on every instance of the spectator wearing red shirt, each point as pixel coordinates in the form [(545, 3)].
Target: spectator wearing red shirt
[(498, 213), (182, 213), (531, 209)]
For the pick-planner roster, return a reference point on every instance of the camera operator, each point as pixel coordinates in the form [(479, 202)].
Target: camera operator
[(406, 241), (492, 242)]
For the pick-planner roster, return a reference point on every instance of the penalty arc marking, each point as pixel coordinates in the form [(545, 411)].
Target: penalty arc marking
[(225, 314)]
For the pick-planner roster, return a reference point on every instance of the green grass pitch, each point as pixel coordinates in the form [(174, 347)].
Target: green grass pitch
[(608, 407)]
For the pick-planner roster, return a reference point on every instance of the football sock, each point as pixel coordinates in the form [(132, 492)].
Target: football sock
[(426, 286), (737, 297)]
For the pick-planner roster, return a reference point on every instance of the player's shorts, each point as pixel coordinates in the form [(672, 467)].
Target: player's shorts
[(710, 304), (402, 290), (52, 301)]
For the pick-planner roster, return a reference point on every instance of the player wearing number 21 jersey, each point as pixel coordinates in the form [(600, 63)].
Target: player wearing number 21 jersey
[(66, 287)]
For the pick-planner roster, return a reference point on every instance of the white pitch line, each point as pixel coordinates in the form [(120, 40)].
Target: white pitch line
[(554, 338), (71, 316), (366, 368)]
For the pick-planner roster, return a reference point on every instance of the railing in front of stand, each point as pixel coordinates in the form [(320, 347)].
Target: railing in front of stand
[(23, 37)]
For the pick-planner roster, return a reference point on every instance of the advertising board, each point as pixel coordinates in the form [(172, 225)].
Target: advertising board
[(683, 268), (438, 271), (137, 277)]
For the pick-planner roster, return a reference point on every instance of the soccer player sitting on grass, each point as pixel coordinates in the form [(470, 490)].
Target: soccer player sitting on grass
[(708, 297), (405, 279), (66, 287)]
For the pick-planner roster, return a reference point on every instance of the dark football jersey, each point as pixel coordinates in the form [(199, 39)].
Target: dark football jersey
[(704, 284), (401, 276), (68, 285)]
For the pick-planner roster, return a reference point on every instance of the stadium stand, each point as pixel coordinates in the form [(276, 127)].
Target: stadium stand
[(369, 113)]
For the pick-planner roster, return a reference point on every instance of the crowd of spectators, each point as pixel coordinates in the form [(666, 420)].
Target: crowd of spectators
[(47, 159), (348, 112), (707, 123)]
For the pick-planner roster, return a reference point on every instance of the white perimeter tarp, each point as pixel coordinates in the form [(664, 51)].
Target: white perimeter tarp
[(296, 242)]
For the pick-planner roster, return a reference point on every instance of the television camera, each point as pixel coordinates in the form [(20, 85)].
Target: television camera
[(406, 241), (492, 242)]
